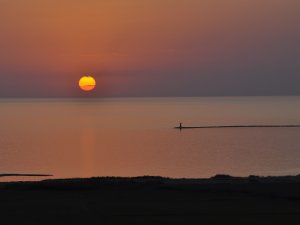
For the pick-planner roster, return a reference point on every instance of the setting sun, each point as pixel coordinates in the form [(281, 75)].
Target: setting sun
[(87, 83)]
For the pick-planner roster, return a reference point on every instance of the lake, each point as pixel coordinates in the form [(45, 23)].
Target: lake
[(136, 136)]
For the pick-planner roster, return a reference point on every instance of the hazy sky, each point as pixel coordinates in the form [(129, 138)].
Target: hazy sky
[(150, 47)]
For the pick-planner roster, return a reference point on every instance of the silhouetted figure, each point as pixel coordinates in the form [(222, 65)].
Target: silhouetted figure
[(180, 125)]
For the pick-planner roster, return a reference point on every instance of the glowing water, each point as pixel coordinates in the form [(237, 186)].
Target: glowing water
[(134, 136)]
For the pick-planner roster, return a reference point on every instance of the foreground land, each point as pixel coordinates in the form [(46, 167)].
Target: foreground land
[(152, 200)]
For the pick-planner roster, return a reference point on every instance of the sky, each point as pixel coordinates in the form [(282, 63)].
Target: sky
[(150, 47)]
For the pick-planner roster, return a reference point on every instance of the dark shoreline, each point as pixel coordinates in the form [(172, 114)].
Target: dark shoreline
[(152, 200), (97, 182)]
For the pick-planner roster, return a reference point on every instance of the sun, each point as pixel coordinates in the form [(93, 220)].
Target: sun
[(87, 83)]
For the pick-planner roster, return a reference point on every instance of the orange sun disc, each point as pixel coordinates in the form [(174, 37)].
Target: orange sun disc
[(87, 83)]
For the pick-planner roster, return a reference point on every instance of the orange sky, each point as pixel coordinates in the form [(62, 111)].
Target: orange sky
[(149, 47)]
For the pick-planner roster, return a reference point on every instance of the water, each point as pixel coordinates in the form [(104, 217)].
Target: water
[(135, 136)]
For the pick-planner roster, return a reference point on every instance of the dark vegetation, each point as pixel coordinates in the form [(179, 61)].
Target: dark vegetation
[(152, 200)]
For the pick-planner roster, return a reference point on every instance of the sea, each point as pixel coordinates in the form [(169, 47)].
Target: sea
[(92, 137)]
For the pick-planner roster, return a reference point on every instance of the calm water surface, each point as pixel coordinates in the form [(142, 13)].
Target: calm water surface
[(135, 136)]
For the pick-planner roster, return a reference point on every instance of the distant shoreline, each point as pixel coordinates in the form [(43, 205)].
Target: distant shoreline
[(24, 175)]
